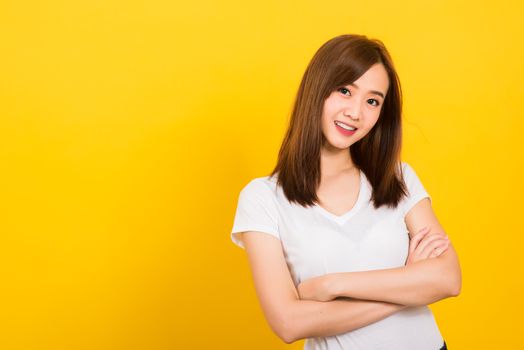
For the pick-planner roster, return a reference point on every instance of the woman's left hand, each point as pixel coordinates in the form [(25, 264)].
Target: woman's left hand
[(316, 288)]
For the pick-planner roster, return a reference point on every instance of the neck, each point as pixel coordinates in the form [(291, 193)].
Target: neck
[(334, 161)]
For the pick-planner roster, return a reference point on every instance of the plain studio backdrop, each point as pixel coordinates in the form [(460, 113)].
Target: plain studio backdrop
[(128, 129)]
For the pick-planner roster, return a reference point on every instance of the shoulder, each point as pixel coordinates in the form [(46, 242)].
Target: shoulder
[(415, 188), (407, 169), (261, 187), (256, 210), (409, 174)]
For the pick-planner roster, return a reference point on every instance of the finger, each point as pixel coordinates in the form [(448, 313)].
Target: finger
[(417, 238), (433, 245), (442, 249), (423, 231), (415, 241), (439, 250), (426, 247), (428, 239)]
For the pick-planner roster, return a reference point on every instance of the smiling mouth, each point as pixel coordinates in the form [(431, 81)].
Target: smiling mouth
[(345, 126)]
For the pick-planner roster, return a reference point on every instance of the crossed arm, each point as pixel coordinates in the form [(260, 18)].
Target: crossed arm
[(375, 294), (420, 283)]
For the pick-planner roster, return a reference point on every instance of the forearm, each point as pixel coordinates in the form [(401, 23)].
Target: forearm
[(421, 283), (309, 318)]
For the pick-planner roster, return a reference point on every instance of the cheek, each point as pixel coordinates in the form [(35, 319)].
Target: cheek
[(370, 123), (372, 118), (326, 126), (326, 118), (329, 109)]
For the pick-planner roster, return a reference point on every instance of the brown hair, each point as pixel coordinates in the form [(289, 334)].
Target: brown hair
[(338, 62)]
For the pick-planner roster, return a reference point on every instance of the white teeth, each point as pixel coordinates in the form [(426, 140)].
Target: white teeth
[(344, 126)]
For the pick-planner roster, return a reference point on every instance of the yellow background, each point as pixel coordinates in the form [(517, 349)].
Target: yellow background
[(128, 129)]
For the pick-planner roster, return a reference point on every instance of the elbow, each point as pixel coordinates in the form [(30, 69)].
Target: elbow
[(284, 328), (285, 332), (455, 285), (440, 292), (456, 288), (452, 281), (288, 339), (280, 328), (456, 293), (291, 330)]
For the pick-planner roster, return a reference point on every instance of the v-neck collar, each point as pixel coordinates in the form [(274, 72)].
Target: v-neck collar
[(342, 219)]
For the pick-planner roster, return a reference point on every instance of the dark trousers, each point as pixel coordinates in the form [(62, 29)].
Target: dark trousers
[(444, 347)]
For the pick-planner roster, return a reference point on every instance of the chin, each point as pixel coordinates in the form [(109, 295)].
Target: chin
[(340, 145)]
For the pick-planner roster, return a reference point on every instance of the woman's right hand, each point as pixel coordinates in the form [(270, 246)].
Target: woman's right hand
[(423, 246)]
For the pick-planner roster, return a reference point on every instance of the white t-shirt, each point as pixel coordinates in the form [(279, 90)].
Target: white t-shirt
[(316, 242)]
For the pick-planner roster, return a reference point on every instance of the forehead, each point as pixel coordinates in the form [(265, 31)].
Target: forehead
[(374, 80)]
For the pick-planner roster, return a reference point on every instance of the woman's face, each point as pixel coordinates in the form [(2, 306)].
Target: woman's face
[(355, 106)]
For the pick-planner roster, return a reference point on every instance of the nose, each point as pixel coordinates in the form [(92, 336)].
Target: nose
[(352, 110)]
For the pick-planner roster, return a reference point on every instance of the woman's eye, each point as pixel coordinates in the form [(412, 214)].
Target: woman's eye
[(375, 101), (343, 90)]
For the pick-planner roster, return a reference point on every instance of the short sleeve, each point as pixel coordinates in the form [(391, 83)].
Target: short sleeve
[(256, 211), (416, 190)]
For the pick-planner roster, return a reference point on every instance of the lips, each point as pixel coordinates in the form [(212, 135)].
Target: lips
[(345, 126), (343, 131)]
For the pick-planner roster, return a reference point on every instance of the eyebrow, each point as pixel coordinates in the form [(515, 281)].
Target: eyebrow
[(372, 91)]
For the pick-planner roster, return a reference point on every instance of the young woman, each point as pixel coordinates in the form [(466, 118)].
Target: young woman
[(342, 241)]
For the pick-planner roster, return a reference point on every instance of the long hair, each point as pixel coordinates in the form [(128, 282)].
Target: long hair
[(340, 61)]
